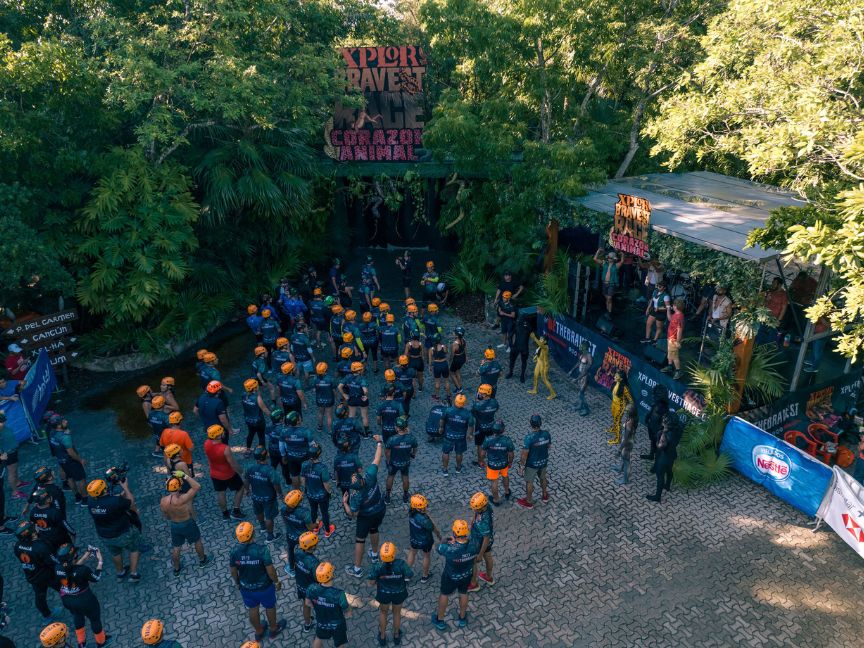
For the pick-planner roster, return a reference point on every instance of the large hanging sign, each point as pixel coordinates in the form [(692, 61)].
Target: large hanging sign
[(389, 128), (629, 232)]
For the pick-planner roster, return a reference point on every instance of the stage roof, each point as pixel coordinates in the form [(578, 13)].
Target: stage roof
[(705, 208)]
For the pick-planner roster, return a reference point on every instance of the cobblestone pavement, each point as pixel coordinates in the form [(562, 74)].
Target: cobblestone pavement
[(597, 566)]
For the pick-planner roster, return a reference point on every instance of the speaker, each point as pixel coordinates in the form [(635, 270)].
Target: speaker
[(655, 354), (605, 325)]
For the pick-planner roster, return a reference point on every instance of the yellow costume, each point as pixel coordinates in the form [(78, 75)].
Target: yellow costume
[(541, 366), (621, 398)]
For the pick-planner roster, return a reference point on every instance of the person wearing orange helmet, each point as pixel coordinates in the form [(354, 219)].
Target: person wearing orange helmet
[(153, 634), (301, 351), (507, 313), (211, 407), (498, 450), (290, 388), (201, 367), (254, 321), (355, 391), (459, 555), (483, 416), (174, 435), (405, 378), (490, 370), (483, 537), (412, 324), (369, 330), (145, 395), (224, 471), (414, 352), (254, 575), (429, 282), (177, 507), (400, 449), (166, 389), (421, 528), (263, 371), (281, 354), (337, 328), (365, 503), (158, 421), (255, 413), (390, 578), (390, 340), (454, 427), (304, 573), (351, 347), (403, 262), (298, 520), (325, 396), (270, 327), (210, 373), (331, 608)]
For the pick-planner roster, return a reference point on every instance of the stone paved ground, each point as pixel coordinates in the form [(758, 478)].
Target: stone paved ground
[(728, 565)]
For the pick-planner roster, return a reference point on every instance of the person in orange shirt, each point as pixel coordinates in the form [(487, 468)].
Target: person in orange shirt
[(173, 434)]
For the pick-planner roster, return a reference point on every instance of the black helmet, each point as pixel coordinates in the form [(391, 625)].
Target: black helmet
[(41, 496), (25, 529), (43, 474), (293, 418), (259, 453), (460, 331), (536, 421), (498, 427), (66, 554), (341, 410), (402, 422), (314, 450)]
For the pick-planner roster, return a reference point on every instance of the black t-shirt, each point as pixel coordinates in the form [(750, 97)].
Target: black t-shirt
[(209, 409), (110, 515), (505, 285), (35, 557)]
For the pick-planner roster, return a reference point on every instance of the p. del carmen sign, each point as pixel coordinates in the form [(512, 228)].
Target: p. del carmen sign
[(389, 125), (629, 232)]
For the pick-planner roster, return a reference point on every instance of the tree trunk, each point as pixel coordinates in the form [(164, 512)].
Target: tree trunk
[(592, 88), (634, 137)]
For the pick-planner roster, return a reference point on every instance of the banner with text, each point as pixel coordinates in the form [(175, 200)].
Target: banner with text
[(39, 384), (566, 334), (629, 233), (793, 476), (389, 128), (843, 509)]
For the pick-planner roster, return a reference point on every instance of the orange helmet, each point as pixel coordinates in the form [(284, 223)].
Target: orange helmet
[(151, 632), (336, 309), (174, 418), (281, 342), (356, 367), (244, 532), (54, 635), (478, 501), (346, 353), (316, 292), (460, 400), (384, 307), (201, 353), (143, 390), (214, 387), (387, 552), (168, 380), (260, 350), (293, 498), (507, 294), (172, 450), (266, 313), (389, 318), (210, 357), (376, 301), (308, 540), (251, 309), (419, 502), (367, 316), (250, 384), (158, 402), (324, 572), (215, 432), (350, 315), (410, 301), (321, 368), (412, 309), (460, 528), (485, 389), (489, 354), (97, 487), (430, 264), (403, 360), (432, 308), (250, 644), (287, 367), (348, 336), (389, 375)]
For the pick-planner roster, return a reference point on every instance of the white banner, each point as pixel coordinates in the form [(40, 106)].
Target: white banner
[(843, 509)]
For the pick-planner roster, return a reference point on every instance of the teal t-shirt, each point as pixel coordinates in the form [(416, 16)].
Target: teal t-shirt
[(262, 482), (297, 521), (315, 475), (251, 561), (304, 573), (498, 449), (329, 603), (390, 577)]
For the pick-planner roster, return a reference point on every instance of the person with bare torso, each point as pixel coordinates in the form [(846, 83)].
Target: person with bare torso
[(177, 507)]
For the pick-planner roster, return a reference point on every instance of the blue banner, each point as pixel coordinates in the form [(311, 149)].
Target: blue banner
[(566, 334), (792, 475), (39, 384)]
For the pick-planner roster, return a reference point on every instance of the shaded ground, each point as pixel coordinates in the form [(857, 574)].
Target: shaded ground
[(598, 566)]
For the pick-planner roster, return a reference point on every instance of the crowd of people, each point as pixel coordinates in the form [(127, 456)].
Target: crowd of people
[(307, 385)]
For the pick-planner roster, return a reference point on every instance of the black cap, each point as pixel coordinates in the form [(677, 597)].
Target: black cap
[(536, 421), (259, 453)]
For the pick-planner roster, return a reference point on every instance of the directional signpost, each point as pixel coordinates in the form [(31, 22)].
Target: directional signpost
[(49, 332)]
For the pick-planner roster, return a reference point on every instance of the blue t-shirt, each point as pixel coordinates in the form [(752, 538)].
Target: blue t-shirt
[(300, 347), (344, 465), (289, 386), (304, 572), (346, 429), (368, 501), (401, 447), (252, 413), (490, 372), (484, 413), (262, 482), (295, 444), (537, 445), (315, 475), (456, 422), (482, 527), (324, 396), (388, 412), (210, 407)]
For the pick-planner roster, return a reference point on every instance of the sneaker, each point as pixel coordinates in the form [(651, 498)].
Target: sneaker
[(20, 495), (676, 375), (545, 498), (382, 641), (463, 621), (458, 469), (22, 483), (425, 579), (330, 531), (500, 346), (397, 639), (134, 578), (405, 498), (445, 472), (496, 502), (318, 526), (645, 341), (273, 537), (123, 574), (474, 587), (507, 495), (524, 503), (280, 626), (237, 514), (387, 498), (289, 571), (438, 623), (486, 578), (205, 561), (108, 641), (226, 515), (667, 369), (351, 570), (260, 635), (372, 556), (307, 627)]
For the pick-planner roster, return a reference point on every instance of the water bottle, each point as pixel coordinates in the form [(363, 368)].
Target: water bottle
[(786, 340)]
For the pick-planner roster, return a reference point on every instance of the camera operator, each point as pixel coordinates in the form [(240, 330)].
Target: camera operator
[(116, 520)]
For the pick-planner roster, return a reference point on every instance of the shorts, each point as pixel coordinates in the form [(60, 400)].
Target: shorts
[(264, 597), (306, 366), (293, 466), (457, 363), (184, 533), (391, 599), (267, 508), (324, 405), (507, 324), (12, 457), (74, 470), (425, 548), (659, 315), (608, 290), (129, 541), (673, 348), (492, 473), (339, 634), (531, 473), (448, 585), (392, 470), (416, 364), (292, 407), (389, 355), (440, 370), (449, 445), (358, 402), (221, 485), (367, 524)]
